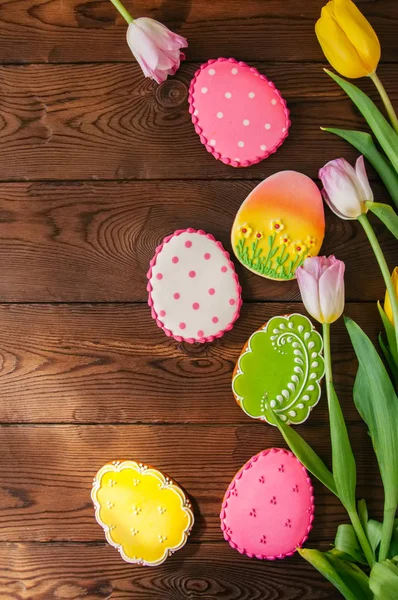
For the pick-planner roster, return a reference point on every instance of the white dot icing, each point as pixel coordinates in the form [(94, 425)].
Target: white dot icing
[(212, 71)]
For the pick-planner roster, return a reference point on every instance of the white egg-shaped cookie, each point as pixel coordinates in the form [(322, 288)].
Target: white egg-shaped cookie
[(194, 291)]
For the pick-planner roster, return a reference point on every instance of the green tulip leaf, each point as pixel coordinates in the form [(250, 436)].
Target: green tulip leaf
[(377, 403), (344, 468), (386, 214), (346, 542), (364, 143), (383, 580), (390, 333), (373, 533), (385, 134), (363, 512), (303, 451), (349, 579), (388, 358)]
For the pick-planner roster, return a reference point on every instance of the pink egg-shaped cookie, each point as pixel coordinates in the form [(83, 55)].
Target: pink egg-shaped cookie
[(268, 508), (194, 291), (238, 113)]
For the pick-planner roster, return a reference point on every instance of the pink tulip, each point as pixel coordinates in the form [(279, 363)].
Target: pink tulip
[(156, 48), (321, 283), (346, 189)]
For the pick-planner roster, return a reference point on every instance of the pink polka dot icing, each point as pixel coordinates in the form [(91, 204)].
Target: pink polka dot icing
[(238, 113), (195, 312), (268, 508)]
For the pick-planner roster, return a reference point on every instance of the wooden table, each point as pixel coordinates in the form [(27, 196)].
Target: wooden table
[(97, 166)]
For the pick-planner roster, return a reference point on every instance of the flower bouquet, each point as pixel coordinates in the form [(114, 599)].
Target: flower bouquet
[(363, 564)]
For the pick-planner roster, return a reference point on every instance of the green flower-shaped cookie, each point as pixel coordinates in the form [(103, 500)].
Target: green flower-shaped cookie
[(281, 367)]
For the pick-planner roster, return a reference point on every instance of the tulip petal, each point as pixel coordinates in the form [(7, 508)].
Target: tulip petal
[(387, 303), (161, 35), (363, 180), (309, 292), (331, 292), (360, 33), (342, 190), (156, 48), (336, 46), (334, 209)]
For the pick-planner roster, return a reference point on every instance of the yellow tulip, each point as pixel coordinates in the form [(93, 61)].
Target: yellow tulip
[(347, 39), (387, 303)]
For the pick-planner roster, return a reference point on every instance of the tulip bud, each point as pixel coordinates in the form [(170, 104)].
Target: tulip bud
[(348, 41), (321, 283), (346, 189), (156, 48), (387, 302)]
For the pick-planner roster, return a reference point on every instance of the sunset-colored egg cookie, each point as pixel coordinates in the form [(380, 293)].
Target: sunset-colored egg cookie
[(239, 115), (194, 291), (280, 368), (279, 225), (144, 514), (268, 509)]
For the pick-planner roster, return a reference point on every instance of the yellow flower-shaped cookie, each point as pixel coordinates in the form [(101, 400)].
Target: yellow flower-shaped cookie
[(144, 514)]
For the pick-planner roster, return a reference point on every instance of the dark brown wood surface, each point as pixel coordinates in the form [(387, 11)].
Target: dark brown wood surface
[(97, 165)]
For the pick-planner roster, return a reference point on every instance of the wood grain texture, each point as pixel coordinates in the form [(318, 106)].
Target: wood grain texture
[(112, 364), (82, 30), (107, 122), (206, 572), (47, 473), (97, 166), (92, 242)]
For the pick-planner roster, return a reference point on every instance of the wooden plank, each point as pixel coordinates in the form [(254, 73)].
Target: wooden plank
[(82, 30), (106, 121), (112, 364), (47, 473), (76, 571), (91, 242)]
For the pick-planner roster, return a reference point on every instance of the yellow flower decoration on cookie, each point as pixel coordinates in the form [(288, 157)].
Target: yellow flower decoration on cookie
[(245, 230), (285, 240), (299, 248), (144, 514), (310, 242), (259, 235), (277, 225)]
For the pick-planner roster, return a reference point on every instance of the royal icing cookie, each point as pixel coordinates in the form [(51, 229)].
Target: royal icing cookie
[(279, 224), (239, 115), (193, 288), (280, 367), (144, 514), (268, 509)]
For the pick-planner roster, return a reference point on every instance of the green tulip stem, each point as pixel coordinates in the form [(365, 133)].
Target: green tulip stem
[(386, 100), (354, 518), (125, 14), (364, 221)]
